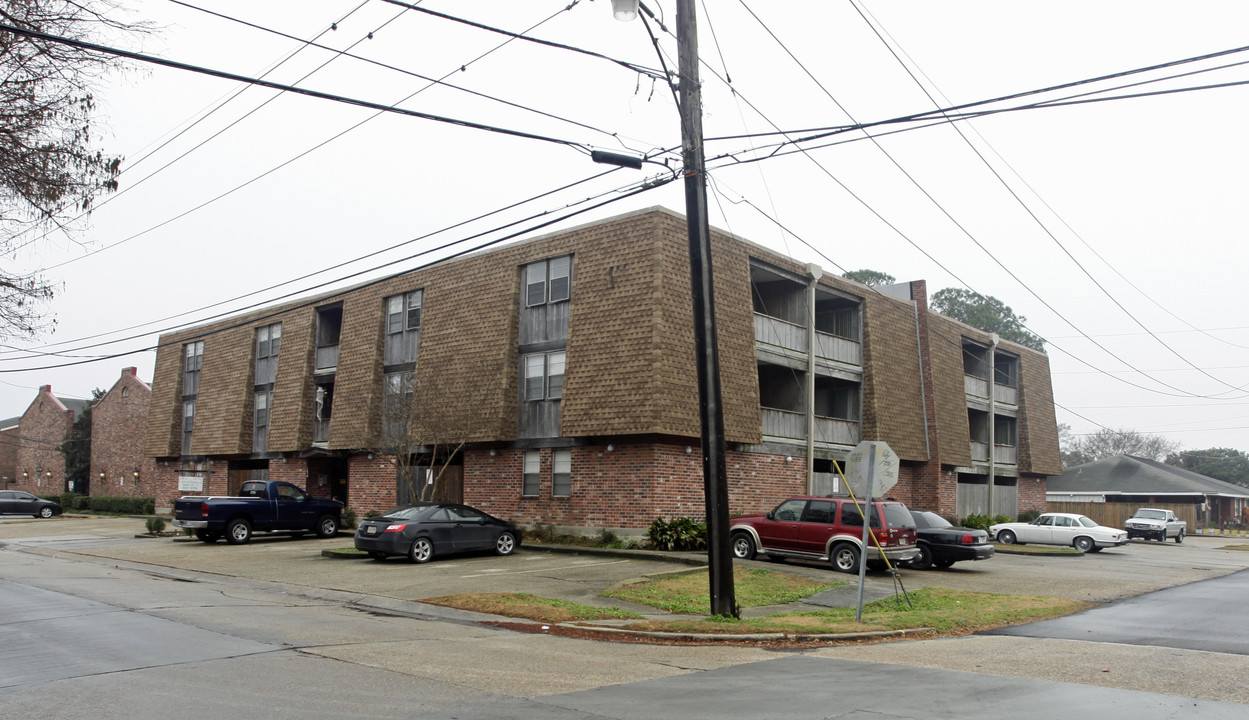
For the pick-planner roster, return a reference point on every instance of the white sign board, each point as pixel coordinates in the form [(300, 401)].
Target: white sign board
[(190, 483), (874, 459)]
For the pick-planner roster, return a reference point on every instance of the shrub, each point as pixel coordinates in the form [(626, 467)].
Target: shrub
[(120, 505), (349, 518), (979, 522), (677, 534), (1029, 515), (69, 500), (155, 525)]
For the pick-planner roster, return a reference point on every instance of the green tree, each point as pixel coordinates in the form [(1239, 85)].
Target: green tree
[(987, 313), (870, 278), (49, 171), (77, 445), (1226, 464)]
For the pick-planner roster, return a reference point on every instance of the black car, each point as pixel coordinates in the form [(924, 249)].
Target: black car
[(425, 530), (942, 544), (16, 502)]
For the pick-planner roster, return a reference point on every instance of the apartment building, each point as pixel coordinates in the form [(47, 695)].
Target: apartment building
[(119, 467), (39, 466), (553, 381)]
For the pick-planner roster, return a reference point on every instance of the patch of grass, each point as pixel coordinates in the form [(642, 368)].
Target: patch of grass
[(1235, 547), (689, 593), (530, 607), (948, 612)]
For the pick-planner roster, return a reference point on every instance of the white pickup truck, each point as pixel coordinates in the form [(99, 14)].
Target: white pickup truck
[(1154, 524)]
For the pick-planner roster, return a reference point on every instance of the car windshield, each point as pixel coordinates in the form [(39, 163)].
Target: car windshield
[(1151, 514), (409, 512), (1086, 522), (925, 519)]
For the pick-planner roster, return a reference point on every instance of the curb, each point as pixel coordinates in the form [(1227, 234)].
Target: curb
[(750, 637)]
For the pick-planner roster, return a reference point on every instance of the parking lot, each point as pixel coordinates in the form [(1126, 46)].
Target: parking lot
[(1134, 569)]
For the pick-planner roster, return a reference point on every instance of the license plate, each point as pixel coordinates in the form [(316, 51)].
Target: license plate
[(370, 530)]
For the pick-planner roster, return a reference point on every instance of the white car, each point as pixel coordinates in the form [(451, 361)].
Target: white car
[(1077, 531)]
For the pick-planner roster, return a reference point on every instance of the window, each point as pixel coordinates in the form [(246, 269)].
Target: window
[(268, 342), (188, 424), (396, 406), (544, 375), (548, 281), (532, 480), (329, 328), (561, 473), (193, 360), (403, 327)]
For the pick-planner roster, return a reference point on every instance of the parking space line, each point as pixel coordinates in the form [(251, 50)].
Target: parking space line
[(549, 569)]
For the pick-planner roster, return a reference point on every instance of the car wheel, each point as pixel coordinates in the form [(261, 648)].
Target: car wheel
[(377, 554), (506, 544), (923, 561), (845, 558), (421, 551), (1006, 537), (238, 531), (1083, 543), (327, 526), (1095, 549), (743, 546), (207, 536), (942, 564), (1179, 538), (45, 512)]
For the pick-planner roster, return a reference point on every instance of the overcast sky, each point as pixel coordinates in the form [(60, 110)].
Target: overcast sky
[(1116, 228)]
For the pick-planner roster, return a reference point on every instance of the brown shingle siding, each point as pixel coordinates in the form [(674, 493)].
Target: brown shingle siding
[(1038, 428), (954, 445)]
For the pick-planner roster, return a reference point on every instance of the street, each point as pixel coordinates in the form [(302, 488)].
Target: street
[(96, 627)]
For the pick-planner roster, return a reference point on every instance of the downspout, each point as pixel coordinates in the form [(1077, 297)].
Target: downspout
[(816, 273), (923, 390), (993, 340)]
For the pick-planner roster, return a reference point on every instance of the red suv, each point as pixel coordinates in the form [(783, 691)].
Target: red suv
[(826, 528)]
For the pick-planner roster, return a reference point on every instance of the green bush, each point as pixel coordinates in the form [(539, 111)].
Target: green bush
[(1029, 515), (155, 525), (349, 518), (979, 522), (121, 505), (69, 501), (677, 534)]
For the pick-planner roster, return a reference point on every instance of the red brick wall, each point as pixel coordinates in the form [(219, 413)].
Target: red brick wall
[(1031, 493), (117, 434), (42, 429), (9, 440)]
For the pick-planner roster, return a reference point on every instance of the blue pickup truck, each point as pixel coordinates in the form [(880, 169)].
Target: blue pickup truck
[(267, 506)]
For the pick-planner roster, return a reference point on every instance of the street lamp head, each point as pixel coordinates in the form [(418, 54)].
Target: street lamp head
[(624, 10)]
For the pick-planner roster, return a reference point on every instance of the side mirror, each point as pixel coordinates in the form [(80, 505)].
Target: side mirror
[(771, 515)]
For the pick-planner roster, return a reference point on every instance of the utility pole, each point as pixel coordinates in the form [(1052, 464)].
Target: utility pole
[(711, 415)]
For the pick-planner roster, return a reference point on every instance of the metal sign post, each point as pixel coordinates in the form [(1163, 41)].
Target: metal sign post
[(867, 522)]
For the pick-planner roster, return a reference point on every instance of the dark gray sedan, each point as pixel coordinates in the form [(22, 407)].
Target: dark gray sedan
[(425, 530), (16, 502)]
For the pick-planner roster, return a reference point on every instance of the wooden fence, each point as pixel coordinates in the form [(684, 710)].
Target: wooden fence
[(1113, 514)]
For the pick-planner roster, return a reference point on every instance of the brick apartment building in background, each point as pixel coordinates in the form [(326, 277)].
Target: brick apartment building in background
[(40, 466), (564, 366), (119, 467)]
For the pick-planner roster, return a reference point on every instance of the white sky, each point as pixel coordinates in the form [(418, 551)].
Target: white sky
[(1147, 195)]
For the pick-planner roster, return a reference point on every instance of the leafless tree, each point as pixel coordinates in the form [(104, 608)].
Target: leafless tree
[(1110, 442), (50, 172)]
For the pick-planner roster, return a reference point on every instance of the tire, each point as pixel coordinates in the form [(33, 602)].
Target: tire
[(743, 546), (238, 531), (1095, 549), (377, 555), (1006, 537), (1179, 538), (1083, 543), (45, 513), (924, 561), (505, 544), (208, 536), (327, 526), (845, 558), (422, 550)]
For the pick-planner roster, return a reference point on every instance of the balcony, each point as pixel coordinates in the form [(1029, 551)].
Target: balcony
[(792, 426), (327, 359), (1002, 454), (792, 337)]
